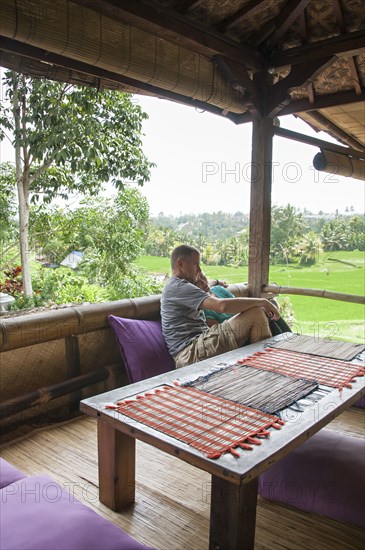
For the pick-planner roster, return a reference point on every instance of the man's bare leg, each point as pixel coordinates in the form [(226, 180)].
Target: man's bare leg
[(252, 325)]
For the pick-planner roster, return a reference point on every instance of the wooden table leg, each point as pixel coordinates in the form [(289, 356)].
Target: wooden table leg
[(232, 515), (116, 454)]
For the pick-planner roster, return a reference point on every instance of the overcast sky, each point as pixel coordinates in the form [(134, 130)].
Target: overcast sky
[(203, 165)]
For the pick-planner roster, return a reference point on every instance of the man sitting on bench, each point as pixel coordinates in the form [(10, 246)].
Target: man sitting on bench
[(188, 337)]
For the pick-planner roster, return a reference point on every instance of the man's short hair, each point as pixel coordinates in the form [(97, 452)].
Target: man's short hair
[(183, 251)]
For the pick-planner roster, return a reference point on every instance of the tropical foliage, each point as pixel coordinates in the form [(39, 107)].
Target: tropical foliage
[(66, 140), (295, 236)]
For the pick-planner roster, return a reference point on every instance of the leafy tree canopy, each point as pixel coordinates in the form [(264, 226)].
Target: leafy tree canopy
[(75, 138), (109, 231), (68, 139)]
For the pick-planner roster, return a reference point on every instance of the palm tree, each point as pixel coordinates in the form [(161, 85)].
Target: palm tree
[(309, 248)]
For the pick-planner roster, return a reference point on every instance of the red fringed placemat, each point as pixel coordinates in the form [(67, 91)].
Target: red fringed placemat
[(329, 372), (208, 423)]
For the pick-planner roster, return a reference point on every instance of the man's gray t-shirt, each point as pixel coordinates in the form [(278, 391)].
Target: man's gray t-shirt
[(180, 315)]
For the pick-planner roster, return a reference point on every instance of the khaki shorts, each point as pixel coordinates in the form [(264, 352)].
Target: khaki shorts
[(214, 341)]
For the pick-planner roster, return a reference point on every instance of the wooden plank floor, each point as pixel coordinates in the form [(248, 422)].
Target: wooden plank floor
[(172, 498)]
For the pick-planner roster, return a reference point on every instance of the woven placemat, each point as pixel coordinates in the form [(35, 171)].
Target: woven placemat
[(263, 390), (345, 351), (329, 372), (208, 423)]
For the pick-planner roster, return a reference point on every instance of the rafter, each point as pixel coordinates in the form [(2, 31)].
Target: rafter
[(310, 91), (40, 69), (358, 151), (300, 75), (271, 34), (322, 102), (339, 16), (344, 45), (303, 27), (335, 131), (176, 28), (239, 15), (183, 6), (355, 79)]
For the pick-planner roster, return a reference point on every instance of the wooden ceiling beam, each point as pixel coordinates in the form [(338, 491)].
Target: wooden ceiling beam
[(344, 45), (176, 28), (337, 132), (355, 79), (183, 6), (303, 27), (239, 15), (296, 136), (300, 75), (43, 56), (322, 102), (271, 34), (39, 69), (339, 16), (321, 123)]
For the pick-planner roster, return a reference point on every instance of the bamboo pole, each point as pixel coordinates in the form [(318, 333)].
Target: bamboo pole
[(22, 331), (318, 293), (42, 395)]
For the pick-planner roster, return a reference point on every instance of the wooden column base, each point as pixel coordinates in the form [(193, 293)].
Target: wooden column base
[(116, 467), (232, 515)]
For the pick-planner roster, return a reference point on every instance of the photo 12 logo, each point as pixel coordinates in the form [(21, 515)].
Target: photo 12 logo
[(290, 172)]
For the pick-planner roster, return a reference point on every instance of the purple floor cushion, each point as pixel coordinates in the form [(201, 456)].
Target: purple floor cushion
[(142, 347), (325, 475), (9, 474), (360, 403), (38, 514)]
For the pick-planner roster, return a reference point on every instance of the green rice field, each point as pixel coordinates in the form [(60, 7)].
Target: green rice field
[(337, 272)]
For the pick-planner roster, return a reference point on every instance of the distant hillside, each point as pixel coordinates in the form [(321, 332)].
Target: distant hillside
[(219, 225), (222, 225)]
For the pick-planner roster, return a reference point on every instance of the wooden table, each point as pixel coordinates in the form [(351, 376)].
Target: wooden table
[(234, 480)]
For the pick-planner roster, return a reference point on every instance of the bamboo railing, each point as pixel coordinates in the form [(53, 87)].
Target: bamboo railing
[(51, 359), (340, 296), (43, 395)]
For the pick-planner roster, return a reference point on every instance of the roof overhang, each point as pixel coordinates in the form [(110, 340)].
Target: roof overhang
[(246, 59)]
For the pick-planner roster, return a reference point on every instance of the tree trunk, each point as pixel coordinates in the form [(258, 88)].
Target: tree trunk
[(23, 196)]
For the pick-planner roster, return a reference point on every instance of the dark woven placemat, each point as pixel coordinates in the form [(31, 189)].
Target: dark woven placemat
[(263, 390), (345, 351)]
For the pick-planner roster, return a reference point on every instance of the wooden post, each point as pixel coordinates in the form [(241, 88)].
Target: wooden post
[(232, 515), (116, 452), (260, 210), (73, 360)]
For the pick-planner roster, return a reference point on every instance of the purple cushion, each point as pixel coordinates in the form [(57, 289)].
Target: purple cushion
[(325, 475), (360, 403), (142, 346), (38, 514), (9, 474)]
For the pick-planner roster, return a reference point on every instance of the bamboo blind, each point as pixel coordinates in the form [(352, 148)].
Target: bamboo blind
[(339, 165)]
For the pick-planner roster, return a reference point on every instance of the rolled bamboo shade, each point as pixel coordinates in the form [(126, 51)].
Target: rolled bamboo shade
[(340, 165), (81, 34)]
